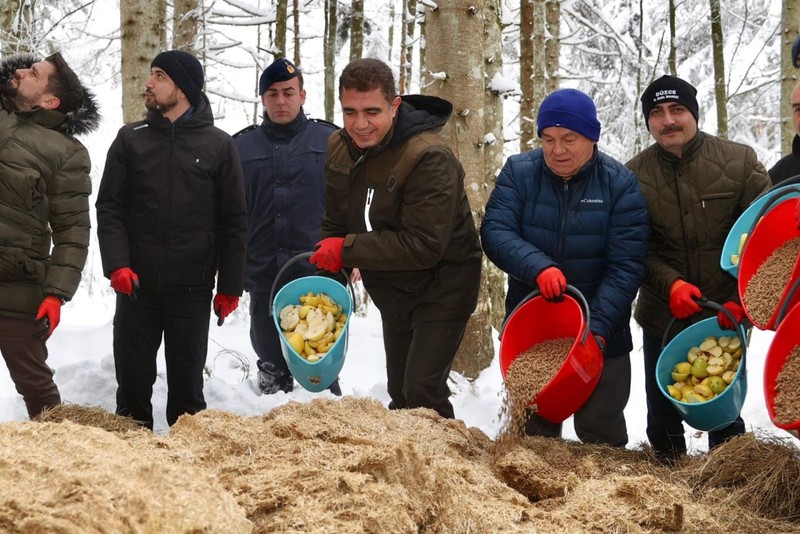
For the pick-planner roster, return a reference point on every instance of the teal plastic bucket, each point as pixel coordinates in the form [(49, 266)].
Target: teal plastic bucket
[(314, 376), (745, 223), (723, 409)]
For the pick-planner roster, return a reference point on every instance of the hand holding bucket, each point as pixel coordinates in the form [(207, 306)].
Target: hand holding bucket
[(535, 320), (319, 375), (724, 408)]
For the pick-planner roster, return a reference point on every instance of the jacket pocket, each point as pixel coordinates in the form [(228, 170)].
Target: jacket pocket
[(412, 282), (16, 267), (719, 210), (35, 188)]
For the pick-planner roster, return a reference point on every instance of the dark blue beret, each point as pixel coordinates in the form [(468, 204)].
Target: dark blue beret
[(280, 70)]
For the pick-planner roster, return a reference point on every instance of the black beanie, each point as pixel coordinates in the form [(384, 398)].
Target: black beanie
[(666, 89), (185, 71)]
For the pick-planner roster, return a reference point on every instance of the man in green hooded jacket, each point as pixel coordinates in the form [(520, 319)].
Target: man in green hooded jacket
[(44, 212)]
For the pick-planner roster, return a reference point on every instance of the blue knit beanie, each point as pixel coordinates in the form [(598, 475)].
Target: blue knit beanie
[(571, 109), (185, 70)]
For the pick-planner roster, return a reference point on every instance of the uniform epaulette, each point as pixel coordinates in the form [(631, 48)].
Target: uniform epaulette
[(323, 121), (245, 130)]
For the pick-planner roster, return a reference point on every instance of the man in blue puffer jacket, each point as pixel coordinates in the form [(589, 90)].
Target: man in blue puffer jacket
[(283, 161), (567, 213)]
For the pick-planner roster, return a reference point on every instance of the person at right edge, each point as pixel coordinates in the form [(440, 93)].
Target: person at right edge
[(396, 208), (696, 185)]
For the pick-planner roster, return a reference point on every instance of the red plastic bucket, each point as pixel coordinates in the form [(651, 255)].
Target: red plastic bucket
[(787, 336), (536, 320), (775, 228)]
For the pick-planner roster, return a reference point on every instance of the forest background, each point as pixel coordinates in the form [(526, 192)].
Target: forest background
[(495, 60)]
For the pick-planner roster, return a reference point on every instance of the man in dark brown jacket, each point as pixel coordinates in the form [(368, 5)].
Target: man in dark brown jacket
[(396, 208), (44, 201), (696, 186)]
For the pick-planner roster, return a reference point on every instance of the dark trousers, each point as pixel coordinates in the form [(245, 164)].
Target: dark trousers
[(664, 423), (182, 318), (419, 355), (267, 344), (601, 419), (25, 358)]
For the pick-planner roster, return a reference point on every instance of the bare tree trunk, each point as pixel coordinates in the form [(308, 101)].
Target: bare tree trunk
[(639, 142), (391, 28), (527, 110), (296, 18), (493, 279), (185, 17), (280, 28), (673, 63), (15, 22), (461, 59), (790, 28), (407, 47), (143, 28), (720, 94), (329, 54), (357, 29), (532, 78), (552, 45)]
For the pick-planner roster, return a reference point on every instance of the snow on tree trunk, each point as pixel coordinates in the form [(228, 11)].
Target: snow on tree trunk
[(462, 60), (144, 35)]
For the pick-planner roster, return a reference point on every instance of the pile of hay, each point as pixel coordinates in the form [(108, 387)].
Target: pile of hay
[(350, 465)]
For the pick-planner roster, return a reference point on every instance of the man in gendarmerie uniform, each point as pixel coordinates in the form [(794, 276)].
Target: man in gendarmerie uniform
[(283, 161)]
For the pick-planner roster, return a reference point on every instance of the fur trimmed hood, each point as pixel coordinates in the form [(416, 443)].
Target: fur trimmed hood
[(81, 121)]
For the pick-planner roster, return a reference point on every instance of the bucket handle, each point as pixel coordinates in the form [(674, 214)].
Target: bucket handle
[(768, 205), (784, 308), (740, 327), (292, 261), (572, 290)]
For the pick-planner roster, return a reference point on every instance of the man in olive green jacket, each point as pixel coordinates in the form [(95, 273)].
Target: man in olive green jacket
[(696, 186), (396, 208), (44, 201)]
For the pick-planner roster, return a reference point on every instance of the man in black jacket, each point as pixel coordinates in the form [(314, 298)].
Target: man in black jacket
[(789, 165), (170, 218)]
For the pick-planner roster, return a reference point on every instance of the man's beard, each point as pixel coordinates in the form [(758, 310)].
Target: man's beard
[(161, 107), (21, 102)]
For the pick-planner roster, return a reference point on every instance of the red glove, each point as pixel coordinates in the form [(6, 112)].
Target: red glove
[(682, 301), (736, 310), (329, 254), (552, 284), (224, 305), (797, 214), (49, 309), (125, 281)]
